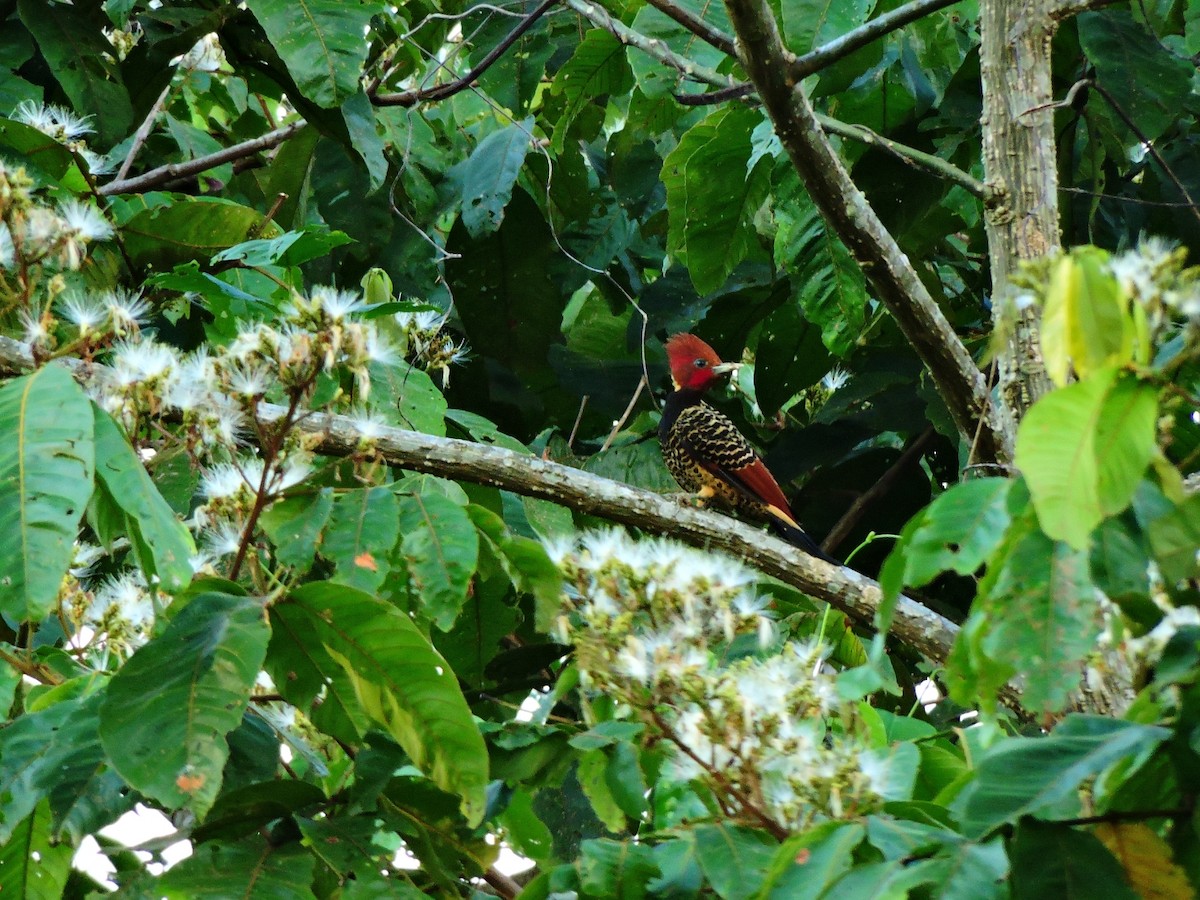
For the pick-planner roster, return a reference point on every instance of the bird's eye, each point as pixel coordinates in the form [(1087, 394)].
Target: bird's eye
[(701, 363)]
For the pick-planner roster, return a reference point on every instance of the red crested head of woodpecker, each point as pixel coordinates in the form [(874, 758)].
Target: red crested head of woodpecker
[(695, 366)]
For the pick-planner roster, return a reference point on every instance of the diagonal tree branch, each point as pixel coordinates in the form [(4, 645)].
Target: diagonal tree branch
[(859, 597), (847, 212), (857, 38), (450, 88), (164, 174)]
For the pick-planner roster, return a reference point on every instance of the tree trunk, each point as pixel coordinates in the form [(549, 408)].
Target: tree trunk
[(1020, 168)]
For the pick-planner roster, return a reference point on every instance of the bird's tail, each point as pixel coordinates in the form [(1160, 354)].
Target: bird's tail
[(798, 537)]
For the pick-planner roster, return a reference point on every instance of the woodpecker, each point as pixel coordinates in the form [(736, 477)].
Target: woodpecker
[(706, 453)]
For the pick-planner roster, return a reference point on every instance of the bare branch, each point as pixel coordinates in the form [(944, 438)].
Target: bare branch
[(164, 174), (856, 39), (143, 132), (918, 159), (859, 597), (450, 88), (696, 26), (850, 216), (831, 52)]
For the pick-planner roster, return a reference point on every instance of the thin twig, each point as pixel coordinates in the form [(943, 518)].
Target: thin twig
[(578, 418), (620, 423), (143, 132), (1149, 145), (851, 517), (449, 89)]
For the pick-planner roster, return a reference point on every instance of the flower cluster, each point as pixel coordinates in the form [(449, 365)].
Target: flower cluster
[(1155, 276), (426, 342), (61, 125), (113, 611), (35, 233), (681, 639)]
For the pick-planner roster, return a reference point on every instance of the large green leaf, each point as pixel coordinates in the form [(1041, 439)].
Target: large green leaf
[(289, 249), (1035, 614), (735, 859), (167, 711), (596, 68), (362, 531), (1067, 863), (1150, 85), (1083, 449), (309, 678), (790, 357), (321, 42), (826, 280), (79, 56), (149, 521), (33, 865), (808, 863), (711, 198), (253, 868), (402, 683), (809, 23), (187, 229), (488, 176), (47, 456), (441, 547), (1020, 776), (1086, 321), (51, 754)]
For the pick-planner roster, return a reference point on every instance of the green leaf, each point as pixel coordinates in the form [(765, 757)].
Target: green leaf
[(253, 868), (1035, 614), (827, 282), (291, 248), (956, 532), (1150, 85), (167, 711), (362, 531), (734, 858), (188, 228), (807, 24), (1020, 776), (1086, 324), (78, 55), (597, 67), (1061, 862), (1083, 449), (309, 678), (403, 684), (1174, 538), (441, 548), (46, 466), (413, 400), (616, 869), (149, 521), (321, 42), (33, 865), (294, 525), (789, 358), (488, 176), (359, 115), (806, 864), (711, 198), (53, 754)]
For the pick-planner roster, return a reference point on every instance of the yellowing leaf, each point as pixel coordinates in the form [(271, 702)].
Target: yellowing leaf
[(1086, 322), (1146, 859)]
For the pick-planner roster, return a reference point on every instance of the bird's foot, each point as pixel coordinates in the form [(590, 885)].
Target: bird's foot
[(696, 501)]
